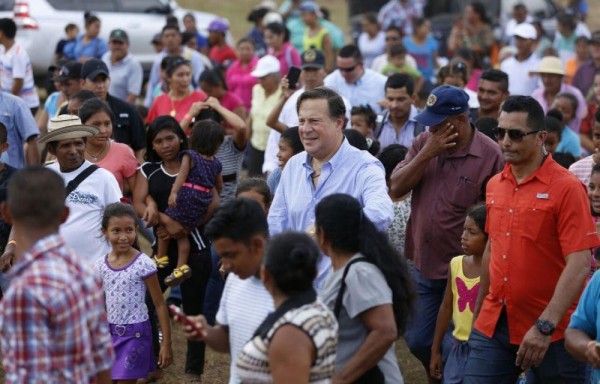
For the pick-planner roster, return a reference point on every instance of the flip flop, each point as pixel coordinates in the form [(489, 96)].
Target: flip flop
[(178, 276), (161, 262)]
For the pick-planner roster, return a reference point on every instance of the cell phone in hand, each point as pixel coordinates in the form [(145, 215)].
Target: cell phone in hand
[(293, 76), (184, 320)]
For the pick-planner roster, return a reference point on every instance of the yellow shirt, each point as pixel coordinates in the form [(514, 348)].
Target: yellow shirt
[(464, 293), (261, 108), (316, 41)]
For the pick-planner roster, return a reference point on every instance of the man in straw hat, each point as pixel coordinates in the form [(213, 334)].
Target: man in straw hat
[(552, 73), (86, 202)]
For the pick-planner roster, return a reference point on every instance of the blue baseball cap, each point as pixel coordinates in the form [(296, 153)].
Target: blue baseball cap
[(443, 101)]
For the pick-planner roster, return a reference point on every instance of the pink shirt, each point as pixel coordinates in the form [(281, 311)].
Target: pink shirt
[(231, 101), (240, 82), (581, 112), (288, 56), (163, 105), (120, 161)]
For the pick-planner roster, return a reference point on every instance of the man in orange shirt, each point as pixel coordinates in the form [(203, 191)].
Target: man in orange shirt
[(536, 261)]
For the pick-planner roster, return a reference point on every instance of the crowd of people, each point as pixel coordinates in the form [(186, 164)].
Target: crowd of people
[(309, 200)]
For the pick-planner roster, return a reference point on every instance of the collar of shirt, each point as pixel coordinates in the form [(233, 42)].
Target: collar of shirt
[(543, 173), (336, 160), (41, 246)]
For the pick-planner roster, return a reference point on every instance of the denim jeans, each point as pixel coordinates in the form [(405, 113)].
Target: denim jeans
[(420, 330), (492, 360)]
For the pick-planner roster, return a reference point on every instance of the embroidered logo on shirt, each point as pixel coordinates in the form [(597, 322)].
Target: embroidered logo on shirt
[(542, 196), (82, 198), (466, 296)]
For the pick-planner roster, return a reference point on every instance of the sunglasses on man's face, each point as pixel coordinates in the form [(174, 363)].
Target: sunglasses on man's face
[(350, 69), (515, 135)]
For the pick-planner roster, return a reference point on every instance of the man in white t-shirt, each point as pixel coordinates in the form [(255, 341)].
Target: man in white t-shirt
[(239, 234), (525, 61), (16, 73), (86, 202)]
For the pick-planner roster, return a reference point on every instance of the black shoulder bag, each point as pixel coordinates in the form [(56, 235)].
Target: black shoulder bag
[(373, 375), (73, 184)]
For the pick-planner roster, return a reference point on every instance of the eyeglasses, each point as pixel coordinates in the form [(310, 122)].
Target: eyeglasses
[(350, 69), (391, 38), (515, 135)]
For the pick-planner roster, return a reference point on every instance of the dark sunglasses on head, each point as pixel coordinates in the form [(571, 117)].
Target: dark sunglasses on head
[(515, 135), (350, 69)]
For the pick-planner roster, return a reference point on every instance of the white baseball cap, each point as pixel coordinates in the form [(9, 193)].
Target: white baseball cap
[(266, 65), (525, 31), (272, 17)]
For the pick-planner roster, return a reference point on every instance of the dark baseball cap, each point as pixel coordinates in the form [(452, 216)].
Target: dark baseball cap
[(595, 37), (92, 68), (313, 58), (119, 35), (70, 70), (443, 101)]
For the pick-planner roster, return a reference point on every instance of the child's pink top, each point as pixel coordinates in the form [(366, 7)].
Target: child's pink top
[(120, 161), (240, 82)]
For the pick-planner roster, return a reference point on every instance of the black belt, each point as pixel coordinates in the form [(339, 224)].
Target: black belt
[(230, 178)]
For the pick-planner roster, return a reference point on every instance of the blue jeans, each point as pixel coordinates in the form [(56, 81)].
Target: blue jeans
[(214, 289), (492, 360), (420, 330)]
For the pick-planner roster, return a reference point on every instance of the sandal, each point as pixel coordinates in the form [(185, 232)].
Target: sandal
[(178, 276), (161, 262)]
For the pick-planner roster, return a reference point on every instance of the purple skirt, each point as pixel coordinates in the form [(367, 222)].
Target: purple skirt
[(134, 357)]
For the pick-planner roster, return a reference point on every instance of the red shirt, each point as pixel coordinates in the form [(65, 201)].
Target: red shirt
[(163, 105), (222, 54), (588, 122), (532, 227)]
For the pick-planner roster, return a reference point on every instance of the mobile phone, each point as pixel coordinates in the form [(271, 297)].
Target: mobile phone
[(183, 319), (293, 76)]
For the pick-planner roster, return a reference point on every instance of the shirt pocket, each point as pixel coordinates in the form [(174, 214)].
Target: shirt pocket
[(496, 207), (466, 192), (538, 221)]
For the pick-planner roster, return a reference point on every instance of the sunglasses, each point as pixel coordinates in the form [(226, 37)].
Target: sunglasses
[(350, 69), (515, 135)]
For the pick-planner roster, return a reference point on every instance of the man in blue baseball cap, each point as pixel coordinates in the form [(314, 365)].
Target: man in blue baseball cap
[(446, 169)]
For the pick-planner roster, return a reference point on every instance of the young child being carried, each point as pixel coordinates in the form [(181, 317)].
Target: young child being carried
[(126, 275), (459, 300), (192, 194)]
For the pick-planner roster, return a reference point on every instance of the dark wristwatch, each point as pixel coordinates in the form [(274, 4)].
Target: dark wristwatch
[(545, 327)]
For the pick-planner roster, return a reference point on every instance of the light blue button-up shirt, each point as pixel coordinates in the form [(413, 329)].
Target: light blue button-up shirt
[(350, 171), (369, 89), (20, 126)]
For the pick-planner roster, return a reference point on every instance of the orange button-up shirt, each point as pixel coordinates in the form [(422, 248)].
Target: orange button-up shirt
[(532, 227)]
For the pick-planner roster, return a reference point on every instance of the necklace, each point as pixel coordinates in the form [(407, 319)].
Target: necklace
[(97, 155), (173, 109)]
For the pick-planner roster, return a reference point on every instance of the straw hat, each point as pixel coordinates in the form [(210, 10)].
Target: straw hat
[(66, 127), (549, 64)]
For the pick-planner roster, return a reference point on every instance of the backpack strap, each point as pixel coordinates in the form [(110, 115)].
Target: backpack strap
[(381, 120), (73, 184), (340, 296)]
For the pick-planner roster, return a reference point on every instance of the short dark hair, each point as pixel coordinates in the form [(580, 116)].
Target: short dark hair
[(239, 220), (92, 106), (8, 27), (351, 51), (400, 80), (89, 18), (83, 95), (487, 125), (356, 139), (3, 134), (535, 114), (207, 137), (366, 111), (117, 210), (260, 186), (292, 136), (564, 159), (554, 125), (36, 197), (335, 103), (291, 259), (478, 214), (519, 6), (70, 27), (174, 63), (397, 49), (555, 113), (394, 28), (391, 156), (170, 26), (279, 29), (496, 76), (213, 77)]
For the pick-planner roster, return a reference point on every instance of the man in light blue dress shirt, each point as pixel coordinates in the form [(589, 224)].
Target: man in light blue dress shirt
[(356, 83), (328, 165)]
